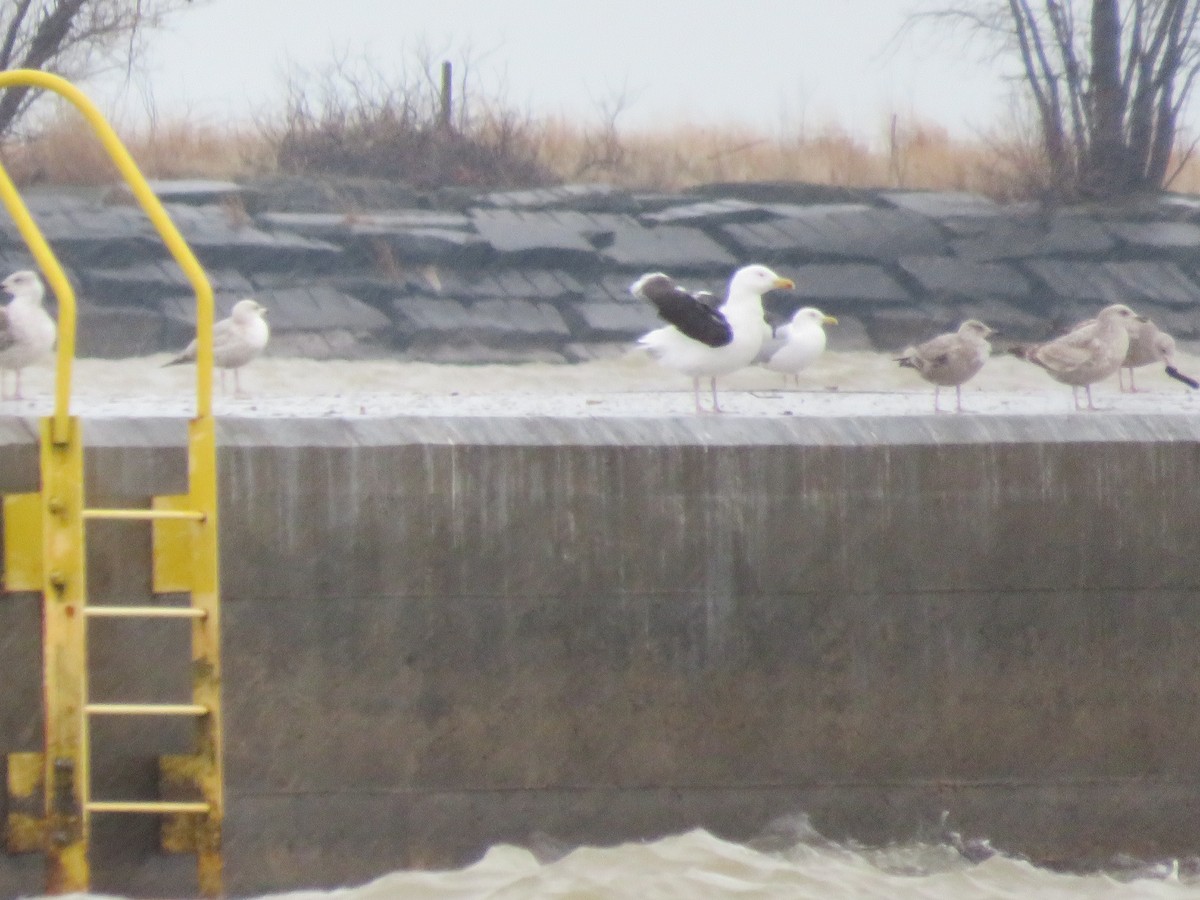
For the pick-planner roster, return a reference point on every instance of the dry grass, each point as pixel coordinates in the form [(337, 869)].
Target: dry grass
[(918, 156), (67, 152), (1186, 173), (921, 157)]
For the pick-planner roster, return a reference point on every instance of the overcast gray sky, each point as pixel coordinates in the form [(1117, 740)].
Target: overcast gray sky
[(773, 64)]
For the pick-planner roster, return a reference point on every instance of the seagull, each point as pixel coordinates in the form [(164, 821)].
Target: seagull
[(1089, 353), (950, 360), (702, 340), (236, 340), (1149, 344), (27, 332), (797, 344)]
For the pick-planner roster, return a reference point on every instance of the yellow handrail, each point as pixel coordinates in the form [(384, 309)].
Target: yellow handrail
[(184, 535), (62, 288), (144, 515)]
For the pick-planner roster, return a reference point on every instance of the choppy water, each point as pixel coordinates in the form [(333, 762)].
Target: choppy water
[(792, 862), (697, 865)]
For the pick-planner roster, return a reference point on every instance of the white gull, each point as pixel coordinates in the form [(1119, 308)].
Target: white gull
[(797, 344), (702, 341), (27, 333)]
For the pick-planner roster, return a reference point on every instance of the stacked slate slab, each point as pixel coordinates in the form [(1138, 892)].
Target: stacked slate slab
[(352, 269)]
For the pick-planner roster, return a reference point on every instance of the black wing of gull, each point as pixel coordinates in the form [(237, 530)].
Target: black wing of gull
[(688, 312)]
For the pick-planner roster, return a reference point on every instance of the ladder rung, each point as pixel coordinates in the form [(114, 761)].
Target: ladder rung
[(144, 612), (146, 709), (160, 807), (138, 515)]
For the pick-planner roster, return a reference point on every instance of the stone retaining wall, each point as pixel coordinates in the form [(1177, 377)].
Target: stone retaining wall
[(361, 269), (444, 633)]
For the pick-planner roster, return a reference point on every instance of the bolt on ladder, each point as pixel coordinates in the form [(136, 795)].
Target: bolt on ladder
[(50, 797)]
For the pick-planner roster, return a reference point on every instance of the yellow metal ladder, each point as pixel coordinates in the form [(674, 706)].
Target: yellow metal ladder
[(49, 792)]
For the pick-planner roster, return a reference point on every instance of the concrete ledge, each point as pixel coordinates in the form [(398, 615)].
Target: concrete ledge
[(445, 632)]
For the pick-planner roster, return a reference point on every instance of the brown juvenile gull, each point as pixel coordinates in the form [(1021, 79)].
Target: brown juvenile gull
[(236, 340), (27, 332), (703, 341), (1089, 353), (950, 360), (794, 346), (1148, 344)]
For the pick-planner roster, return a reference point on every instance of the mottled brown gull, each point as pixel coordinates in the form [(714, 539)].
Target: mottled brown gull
[(797, 344), (1148, 344), (950, 360), (702, 341), (27, 332), (1089, 353), (236, 340)]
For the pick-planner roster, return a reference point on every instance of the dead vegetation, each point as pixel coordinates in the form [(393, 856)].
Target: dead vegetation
[(421, 128), (66, 151), (345, 124)]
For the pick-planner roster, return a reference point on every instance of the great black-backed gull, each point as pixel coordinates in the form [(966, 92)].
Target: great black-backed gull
[(1149, 344), (236, 340), (950, 360), (27, 332), (1089, 353), (795, 345), (703, 341)]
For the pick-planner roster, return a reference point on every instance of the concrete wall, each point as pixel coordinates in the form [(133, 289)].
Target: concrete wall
[(444, 633)]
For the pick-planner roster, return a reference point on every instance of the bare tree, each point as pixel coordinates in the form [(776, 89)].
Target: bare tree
[(1108, 80), (73, 38)]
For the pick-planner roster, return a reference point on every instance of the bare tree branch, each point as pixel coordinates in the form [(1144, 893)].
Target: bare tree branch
[(13, 31), (1043, 84), (76, 38), (1109, 87)]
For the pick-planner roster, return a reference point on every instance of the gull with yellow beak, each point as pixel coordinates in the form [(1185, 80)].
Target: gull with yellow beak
[(796, 345), (706, 341)]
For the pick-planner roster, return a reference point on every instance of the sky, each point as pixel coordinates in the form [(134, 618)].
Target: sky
[(779, 66)]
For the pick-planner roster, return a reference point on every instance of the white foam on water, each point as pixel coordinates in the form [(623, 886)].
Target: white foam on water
[(700, 866)]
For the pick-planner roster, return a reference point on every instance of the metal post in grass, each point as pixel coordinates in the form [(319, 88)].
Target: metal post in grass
[(447, 106)]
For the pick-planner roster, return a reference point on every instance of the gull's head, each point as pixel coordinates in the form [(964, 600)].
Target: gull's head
[(757, 280), (810, 314), (1119, 312), (245, 310), (23, 285), (976, 328)]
